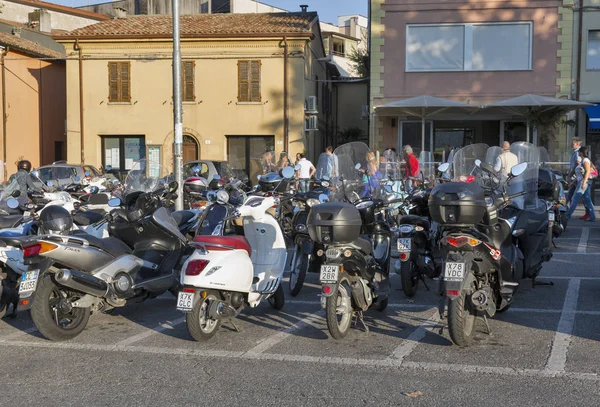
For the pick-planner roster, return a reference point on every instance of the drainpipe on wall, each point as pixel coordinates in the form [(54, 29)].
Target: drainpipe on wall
[(4, 116), (77, 47), (579, 57), (286, 118)]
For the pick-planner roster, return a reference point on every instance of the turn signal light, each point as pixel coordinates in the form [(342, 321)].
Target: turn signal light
[(459, 241), (38, 248), (195, 267)]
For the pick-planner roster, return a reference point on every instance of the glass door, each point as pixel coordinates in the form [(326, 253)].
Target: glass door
[(245, 154)]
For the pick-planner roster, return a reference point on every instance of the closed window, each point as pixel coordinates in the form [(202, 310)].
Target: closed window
[(119, 82), (188, 74), (469, 47), (593, 50), (249, 81)]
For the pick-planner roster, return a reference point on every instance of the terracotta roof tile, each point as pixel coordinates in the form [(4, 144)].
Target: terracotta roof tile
[(217, 25), (29, 47)]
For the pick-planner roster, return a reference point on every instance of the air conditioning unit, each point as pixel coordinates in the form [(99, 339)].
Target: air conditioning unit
[(311, 105), (311, 123)]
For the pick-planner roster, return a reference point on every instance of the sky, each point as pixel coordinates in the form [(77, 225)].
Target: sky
[(328, 9)]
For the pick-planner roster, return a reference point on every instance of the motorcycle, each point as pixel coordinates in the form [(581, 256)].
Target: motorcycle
[(72, 275), (354, 272), (550, 189), (227, 273)]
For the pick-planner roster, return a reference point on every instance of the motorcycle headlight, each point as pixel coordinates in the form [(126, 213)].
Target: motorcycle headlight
[(312, 202), (489, 201), (301, 228)]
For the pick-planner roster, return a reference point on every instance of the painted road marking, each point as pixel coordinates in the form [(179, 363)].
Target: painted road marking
[(409, 344), (585, 234), (562, 339), (156, 330), (16, 335)]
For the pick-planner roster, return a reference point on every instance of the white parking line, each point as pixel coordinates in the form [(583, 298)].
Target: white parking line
[(273, 340), (409, 344), (158, 329), (562, 339), (585, 234)]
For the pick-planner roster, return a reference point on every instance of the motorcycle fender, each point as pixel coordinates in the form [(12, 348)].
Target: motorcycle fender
[(454, 288), (307, 246)]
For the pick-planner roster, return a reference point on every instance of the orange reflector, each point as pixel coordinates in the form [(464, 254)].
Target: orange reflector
[(24, 302), (204, 294), (47, 247), (326, 289), (452, 293)]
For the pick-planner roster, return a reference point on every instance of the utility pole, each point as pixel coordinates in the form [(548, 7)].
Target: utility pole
[(177, 116)]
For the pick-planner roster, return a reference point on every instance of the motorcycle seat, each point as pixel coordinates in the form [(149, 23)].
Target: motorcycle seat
[(217, 242), (9, 221), (182, 217), (362, 244), (98, 199), (111, 245), (87, 218)]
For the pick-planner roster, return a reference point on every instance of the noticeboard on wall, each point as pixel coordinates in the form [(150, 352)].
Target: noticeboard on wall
[(154, 155)]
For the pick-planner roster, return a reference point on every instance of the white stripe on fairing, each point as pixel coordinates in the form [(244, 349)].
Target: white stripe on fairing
[(562, 339)]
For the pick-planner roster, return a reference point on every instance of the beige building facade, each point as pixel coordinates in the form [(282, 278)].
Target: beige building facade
[(235, 89)]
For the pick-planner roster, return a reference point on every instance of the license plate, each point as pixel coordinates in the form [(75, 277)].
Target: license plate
[(329, 273), (185, 301), (551, 216), (29, 281), (454, 272), (404, 244)]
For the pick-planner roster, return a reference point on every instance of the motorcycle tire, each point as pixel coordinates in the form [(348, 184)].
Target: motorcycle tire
[(564, 220), (298, 272), (382, 305), (199, 326), (52, 322), (462, 317), (409, 278), (277, 300), (338, 329)]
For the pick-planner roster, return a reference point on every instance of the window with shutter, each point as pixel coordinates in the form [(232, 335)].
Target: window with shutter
[(119, 82), (249, 81), (188, 74)]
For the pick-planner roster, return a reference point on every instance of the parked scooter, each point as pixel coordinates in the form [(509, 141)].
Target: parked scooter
[(227, 273)]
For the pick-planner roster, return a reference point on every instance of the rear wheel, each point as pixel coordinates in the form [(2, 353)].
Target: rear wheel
[(277, 300), (200, 326), (409, 278), (53, 314), (338, 310), (461, 320), (298, 271)]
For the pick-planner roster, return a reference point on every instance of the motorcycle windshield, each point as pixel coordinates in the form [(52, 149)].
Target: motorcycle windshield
[(145, 177), (211, 217), (544, 157), (426, 166), (464, 159), (353, 184), (528, 181), (492, 155)]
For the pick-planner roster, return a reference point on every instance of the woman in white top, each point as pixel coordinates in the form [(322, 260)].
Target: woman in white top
[(582, 174)]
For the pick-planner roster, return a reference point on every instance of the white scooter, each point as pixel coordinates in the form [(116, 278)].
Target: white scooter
[(226, 273)]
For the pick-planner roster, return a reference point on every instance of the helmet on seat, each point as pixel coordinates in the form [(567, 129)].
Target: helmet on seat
[(55, 220), (24, 165)]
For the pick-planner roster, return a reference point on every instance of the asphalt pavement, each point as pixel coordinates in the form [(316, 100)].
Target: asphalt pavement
[(544, 351)]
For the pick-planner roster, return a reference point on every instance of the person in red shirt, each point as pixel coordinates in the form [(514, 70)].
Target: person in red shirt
[(412, 166)]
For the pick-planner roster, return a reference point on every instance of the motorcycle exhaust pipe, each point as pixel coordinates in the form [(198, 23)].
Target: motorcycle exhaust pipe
[(221, 310), (82, 282)]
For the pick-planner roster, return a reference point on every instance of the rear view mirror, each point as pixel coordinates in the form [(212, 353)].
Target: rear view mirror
[(258, 177), (478, 162), (287, 172), (12, 203), (50, 184), (323, 198), (16, 193), (115, 202), (87, 173), (518, 169), (173, 187), (444, 167), (76, 179), (217, 177), (357, 166)]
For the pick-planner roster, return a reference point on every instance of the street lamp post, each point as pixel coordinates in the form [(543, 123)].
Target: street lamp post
[(177, 109)]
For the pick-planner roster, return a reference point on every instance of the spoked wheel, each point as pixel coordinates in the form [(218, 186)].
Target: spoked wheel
[(409, 278), (338, 309), (298, 271), (277, 300), (200, 326), (53, 314), (461, 320)]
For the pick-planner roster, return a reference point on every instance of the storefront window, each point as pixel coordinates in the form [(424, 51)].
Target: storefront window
[(121, 152)]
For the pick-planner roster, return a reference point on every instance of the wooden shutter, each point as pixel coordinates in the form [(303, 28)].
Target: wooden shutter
[(243, 83), (188, 81), (125, 81), (255, 81), (113, 82)]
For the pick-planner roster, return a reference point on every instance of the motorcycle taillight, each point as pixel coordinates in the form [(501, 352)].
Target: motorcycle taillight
[(195, 267)]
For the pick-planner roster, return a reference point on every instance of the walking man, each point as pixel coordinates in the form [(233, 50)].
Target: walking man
[(305, 173)]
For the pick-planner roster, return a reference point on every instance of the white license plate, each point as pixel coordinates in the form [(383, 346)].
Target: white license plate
[(329, 273), (404, 244), (29, 281), (454, 271), (551, 216), (185, 301)]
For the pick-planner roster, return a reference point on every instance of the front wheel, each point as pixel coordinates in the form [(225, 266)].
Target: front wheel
[(53, 314), (277, 300), (338, 310), (461, 320), (409, 278), (298, 272), (200, 326)]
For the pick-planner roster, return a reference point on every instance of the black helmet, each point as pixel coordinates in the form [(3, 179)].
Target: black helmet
[(55, 219), (24, 165)]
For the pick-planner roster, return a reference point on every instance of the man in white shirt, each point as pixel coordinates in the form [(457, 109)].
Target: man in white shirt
[(506, 160), (305, 173)]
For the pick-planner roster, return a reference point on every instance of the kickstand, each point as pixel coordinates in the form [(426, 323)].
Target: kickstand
[(554, 244), (534, 282), (359, 318), (235, 327), (487, 325)]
